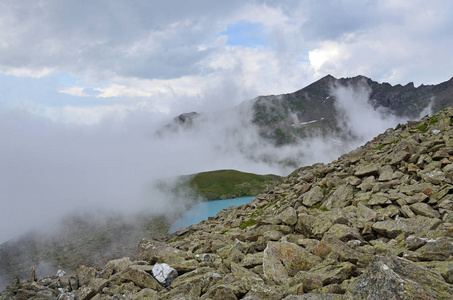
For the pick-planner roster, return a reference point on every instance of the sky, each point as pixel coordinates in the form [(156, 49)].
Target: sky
[(85, 84), (81, 61)]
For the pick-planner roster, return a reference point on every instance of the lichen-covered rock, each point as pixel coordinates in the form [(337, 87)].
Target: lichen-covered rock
[(424, 209), (365, 213), (334, 272), (288, 216), (316, 296), (315, 226), (267, 291), (85, 293), (118, 265), (385, 173), (309, 280), (331, 246), (145, 294), (141, 279), (345, 233), (340, 197), (444, 268), (86, 274), (282, 260), (312, 197), (393, 228), (220, 292), (154, 251), (202, 278), (439, 249), (379, 199), (367, 170), (251, 260), (413, 242), (247, 279), (398, 278)]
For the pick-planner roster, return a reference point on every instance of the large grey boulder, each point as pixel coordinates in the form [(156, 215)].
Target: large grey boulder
[(398, 278), (341, 197), (154, 251), (313, 196), (282, 260), (315, 226), (140, 278), (289, 216), (393, 228)]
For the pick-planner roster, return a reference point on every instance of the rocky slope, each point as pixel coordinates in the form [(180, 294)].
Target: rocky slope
[(281, 119), (92, 240), (80, 239), (376, 223)]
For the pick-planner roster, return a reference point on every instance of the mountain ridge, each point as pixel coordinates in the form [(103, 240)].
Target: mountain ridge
[(317, 102), (311, 111)]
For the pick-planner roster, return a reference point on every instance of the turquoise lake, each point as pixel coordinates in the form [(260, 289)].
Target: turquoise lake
[(202, 210)]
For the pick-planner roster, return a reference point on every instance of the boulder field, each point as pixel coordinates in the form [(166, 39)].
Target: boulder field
[(377, 223)]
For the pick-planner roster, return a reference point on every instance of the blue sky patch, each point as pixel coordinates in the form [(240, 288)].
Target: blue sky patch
[(45, 91), (245, 34), (91, 91)]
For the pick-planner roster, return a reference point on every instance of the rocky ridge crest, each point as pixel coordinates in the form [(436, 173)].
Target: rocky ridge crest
[(376, 223), (315, 109)]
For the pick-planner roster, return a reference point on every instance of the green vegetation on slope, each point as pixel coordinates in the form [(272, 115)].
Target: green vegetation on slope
[(224, 184)]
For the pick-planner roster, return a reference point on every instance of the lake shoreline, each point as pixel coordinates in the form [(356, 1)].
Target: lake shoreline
[(201, 211)]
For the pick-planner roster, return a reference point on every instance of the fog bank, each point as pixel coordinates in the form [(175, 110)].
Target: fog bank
[(49, 169)]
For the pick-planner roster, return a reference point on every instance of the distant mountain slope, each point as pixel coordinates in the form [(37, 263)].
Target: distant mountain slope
[(312, 110), (224, 184)]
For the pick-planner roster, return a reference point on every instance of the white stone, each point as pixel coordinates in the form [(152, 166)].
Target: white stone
[(164, 273)]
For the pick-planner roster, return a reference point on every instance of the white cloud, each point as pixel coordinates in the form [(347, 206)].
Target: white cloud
[(269, 16), (49, 169), (84, 115), (150, 50), (75, 91), (325, 58), (108, 38), (359, 118), (116, 90), (28, 72), (406, 43)]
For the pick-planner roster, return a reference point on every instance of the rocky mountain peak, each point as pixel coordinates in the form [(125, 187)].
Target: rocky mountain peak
[(377, 223), (315, 106), (316, 110)]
